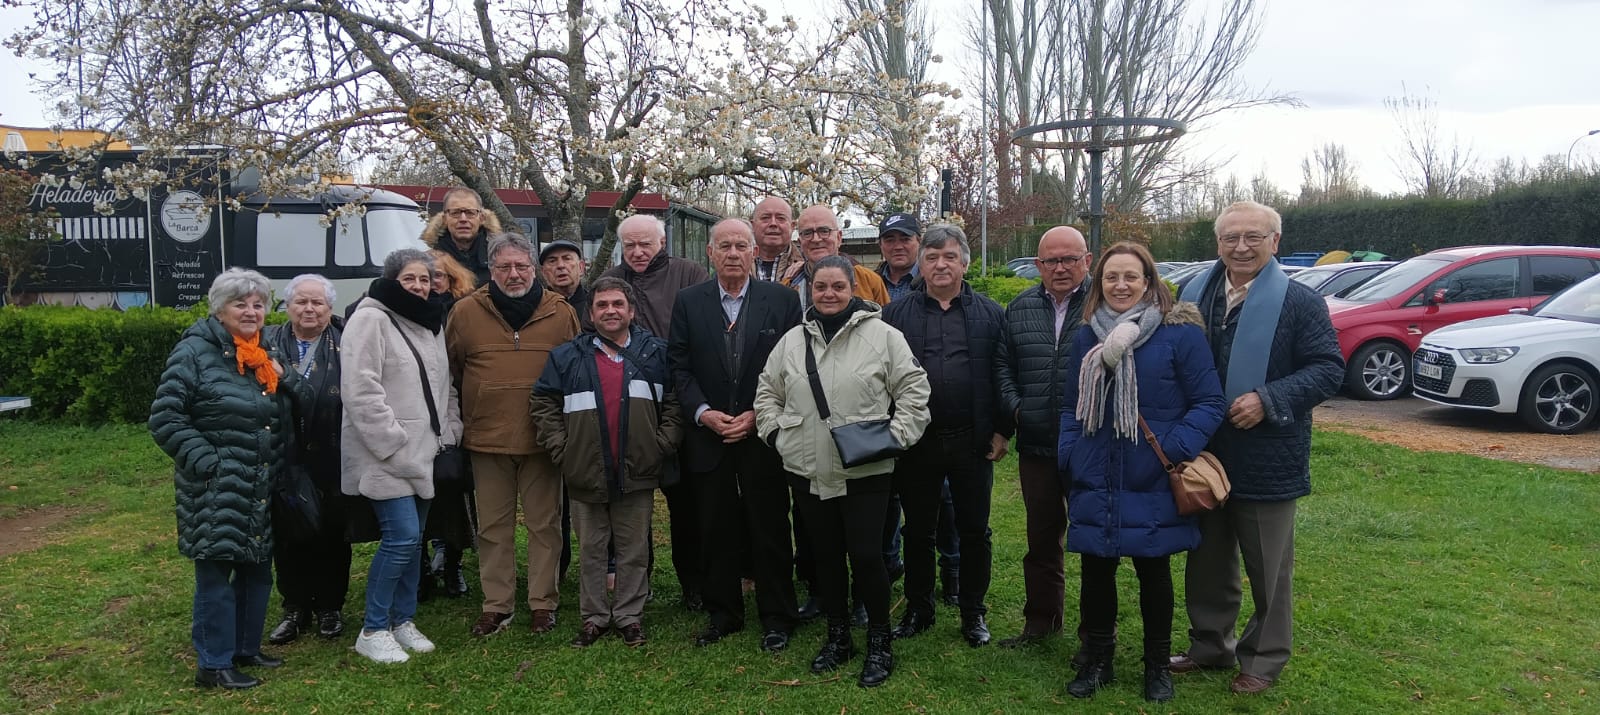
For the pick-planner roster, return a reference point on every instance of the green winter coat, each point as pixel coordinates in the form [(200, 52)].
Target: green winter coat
[(227, 439)]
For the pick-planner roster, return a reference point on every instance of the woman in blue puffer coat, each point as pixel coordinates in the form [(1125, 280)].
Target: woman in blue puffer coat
[(1137, 353)]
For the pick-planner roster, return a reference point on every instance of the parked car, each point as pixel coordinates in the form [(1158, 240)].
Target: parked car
[(1544, 365), (1165, 268), (1012, 264), (1182, 276), (1336, 278), (1026, 270), (1382, 322)]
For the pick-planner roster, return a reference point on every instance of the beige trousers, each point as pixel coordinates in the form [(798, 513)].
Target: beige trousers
[(624, 522), (501, 480)]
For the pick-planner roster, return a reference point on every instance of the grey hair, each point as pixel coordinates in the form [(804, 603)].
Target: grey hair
[(743, 225), (397, 261), (461, 191), (235, 283), (839, 262), (941, 234), (656, 225), (501, 241), (1273, 219), (304, 278)]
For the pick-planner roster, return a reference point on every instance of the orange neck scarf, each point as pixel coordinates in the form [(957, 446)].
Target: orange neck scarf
[(252, 355)]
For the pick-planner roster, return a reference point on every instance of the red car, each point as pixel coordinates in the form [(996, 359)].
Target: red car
[(1381, 322)]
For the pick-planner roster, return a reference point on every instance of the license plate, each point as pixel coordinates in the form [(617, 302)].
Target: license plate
[(1433, 371)]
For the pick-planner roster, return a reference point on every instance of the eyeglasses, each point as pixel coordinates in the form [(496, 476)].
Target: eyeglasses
[(821, 231), (462, 213), (1250, 239), (1051, 264), (513, 267)]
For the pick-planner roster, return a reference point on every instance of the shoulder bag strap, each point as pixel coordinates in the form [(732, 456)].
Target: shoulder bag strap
[(637, 361), (816, 380), (1150, 437), (427, 389)]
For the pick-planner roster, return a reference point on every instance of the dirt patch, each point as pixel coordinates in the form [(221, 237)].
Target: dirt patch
[(116, 605), (32, 528), (1423, 426)]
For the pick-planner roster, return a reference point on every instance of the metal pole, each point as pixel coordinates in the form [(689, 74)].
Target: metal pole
[(1096, 197), (987, 146), (1574, 145)]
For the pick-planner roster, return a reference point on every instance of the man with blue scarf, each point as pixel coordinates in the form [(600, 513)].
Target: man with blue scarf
[(1278, 357)]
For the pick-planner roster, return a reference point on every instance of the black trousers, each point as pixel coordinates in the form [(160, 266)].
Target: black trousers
[(684, 527), (849, 525), (315, 575), (745, 503), (1097, 604), (919, 479)]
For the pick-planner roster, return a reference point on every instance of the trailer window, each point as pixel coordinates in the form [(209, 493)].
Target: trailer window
[(390, 229), (291, 240), (349, 245)]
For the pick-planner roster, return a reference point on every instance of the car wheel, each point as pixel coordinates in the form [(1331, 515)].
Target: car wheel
[(1378, 371), (1559, 398)]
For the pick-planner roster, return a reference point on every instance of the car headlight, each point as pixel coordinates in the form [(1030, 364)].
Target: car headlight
[(1485, 356)]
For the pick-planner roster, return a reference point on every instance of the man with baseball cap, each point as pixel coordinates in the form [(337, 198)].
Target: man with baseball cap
[(562, 267), (898, 237)]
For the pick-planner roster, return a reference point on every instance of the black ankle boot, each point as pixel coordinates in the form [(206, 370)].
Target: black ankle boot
[(455, 583), (880, 657), (288, 629), (1157, 683), (1092, 675), (836, 650)]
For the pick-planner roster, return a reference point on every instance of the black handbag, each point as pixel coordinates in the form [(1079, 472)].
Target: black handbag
[(449, 463), (858, 443), (296, 506)]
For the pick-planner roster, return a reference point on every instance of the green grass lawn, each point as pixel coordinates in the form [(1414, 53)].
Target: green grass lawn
[(1426, 583)]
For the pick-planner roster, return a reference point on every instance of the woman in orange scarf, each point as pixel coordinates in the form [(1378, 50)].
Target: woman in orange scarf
[(222, 413)]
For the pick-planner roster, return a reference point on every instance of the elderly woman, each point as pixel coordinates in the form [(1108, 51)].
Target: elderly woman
[(400, 410), (452, 517), (313, 574), (867, 372), (1137, 354), (222, 413)]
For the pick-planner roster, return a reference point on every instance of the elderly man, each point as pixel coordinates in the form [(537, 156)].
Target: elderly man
[(773, 221), (605, 410), (1278, 358), (1033, 358), (462, 230), (722, 331), (954, 334), (898, 238), (820, 237), (656, 279), (499, 338), (561, 265)]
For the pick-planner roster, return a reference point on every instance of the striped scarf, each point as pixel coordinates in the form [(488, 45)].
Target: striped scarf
[(1119, 335)]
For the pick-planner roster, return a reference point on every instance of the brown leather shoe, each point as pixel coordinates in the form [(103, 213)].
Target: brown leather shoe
[(587, 635), (1247, 684), (633, 635), (1182, 663), (490, 623), (544, 621)]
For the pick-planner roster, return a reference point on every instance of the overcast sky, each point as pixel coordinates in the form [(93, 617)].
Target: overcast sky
[(1516, 78)]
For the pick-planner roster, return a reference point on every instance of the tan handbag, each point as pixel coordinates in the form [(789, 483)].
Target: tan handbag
[(1198, 485)]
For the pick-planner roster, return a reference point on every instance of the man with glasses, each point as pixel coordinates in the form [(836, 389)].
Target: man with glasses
[(462, 230), (499, 338), (1278, 358), (820, 237), (1032, 363), (656, 279)]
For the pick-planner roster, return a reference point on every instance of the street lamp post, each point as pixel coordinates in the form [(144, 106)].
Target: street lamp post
[(1574, 145)]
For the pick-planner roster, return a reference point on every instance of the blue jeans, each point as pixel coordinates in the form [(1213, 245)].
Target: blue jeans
[(397, 566), (230, 609)]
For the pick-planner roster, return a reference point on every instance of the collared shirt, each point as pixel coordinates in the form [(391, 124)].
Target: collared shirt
[(1063, 307), (599, 346), (732, 303), (900, 288), (1236, 294), (946, 359)]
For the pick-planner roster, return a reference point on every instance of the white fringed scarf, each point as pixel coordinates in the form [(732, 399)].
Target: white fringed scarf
[(1108, 361)]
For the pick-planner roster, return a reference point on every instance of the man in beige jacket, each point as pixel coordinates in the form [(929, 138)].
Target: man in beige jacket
[(499, 338)]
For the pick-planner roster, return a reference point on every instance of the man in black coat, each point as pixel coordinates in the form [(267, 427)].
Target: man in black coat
[(1278, 358), (722, 331), (953, 332), (1040, 324)]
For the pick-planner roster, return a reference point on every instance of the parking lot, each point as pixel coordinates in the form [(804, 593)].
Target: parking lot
[(1422, 425)]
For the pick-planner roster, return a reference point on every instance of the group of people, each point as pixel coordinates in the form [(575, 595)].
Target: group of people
[(727, 391)]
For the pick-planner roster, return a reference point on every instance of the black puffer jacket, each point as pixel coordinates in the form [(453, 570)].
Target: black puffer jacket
[(1272, 461), (1032, 364), (227, 439), (985, 326)]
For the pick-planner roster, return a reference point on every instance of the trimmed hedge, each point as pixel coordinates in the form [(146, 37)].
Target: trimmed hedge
[(88, 366), (1001, 289)]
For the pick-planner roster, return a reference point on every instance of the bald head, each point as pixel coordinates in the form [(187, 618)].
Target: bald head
[(1063, 260), (773, 221), (819, 232)]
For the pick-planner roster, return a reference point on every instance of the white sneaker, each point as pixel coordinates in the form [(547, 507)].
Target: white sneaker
[(381, 647), (409, 638)]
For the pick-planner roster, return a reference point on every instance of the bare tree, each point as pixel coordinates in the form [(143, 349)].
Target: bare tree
[(894, 51), (1328, 175), (1431, 165)]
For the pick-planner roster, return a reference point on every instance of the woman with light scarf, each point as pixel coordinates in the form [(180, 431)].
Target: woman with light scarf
[(1137, 353), (222, 413)]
